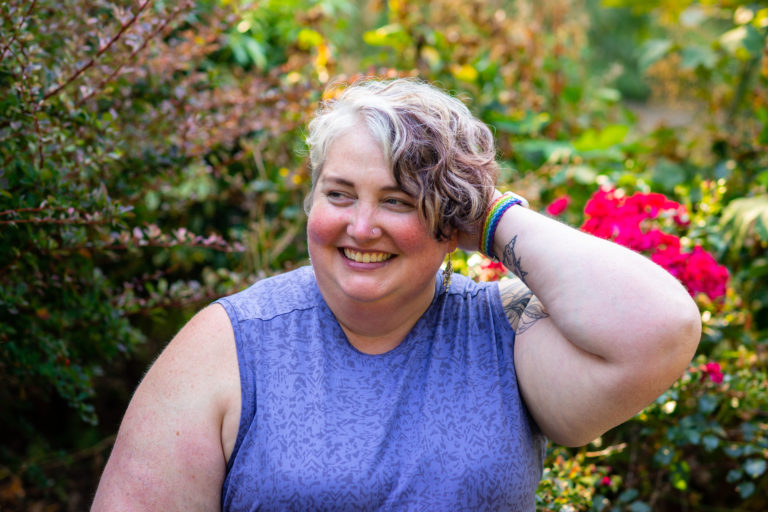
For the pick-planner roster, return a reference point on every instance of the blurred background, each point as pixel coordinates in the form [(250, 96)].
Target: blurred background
[(152, 160)]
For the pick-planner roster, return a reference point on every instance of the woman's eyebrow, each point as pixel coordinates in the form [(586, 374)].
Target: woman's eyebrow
[(346, 183), (337, 181)]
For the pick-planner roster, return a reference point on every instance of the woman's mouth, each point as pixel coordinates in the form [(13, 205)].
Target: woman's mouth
[(367, 257)]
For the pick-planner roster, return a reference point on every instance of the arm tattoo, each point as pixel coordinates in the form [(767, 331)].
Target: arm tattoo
[(512, 262), (532, 314), (514, 297), (522, 308)]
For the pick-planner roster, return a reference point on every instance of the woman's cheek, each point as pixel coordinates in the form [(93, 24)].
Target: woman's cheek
[(323, 227)]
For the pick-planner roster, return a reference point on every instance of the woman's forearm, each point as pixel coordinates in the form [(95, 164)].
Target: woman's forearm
[(604, 298)]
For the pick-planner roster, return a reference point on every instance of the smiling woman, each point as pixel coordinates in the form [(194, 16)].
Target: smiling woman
[(363, 382), (372, 254)]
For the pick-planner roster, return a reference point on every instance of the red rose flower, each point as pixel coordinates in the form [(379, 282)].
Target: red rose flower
[(713, 370), (613, 216), (558, 206)]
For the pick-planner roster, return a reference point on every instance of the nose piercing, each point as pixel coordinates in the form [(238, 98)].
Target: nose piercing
[(375, 232)]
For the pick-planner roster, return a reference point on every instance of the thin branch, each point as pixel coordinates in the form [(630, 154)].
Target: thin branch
[(50, 220), (164, 245), (102, 50), (54, 462), (175, 303), (38, 132), (607, 451), (146, 243), (16, 32), (22, 63), (39, 209), (133, 54)]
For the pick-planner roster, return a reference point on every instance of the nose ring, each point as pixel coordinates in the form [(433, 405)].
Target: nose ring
[(375, 232)]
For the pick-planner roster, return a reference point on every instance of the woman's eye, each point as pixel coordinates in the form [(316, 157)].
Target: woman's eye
[(398, 203), (337, 196)]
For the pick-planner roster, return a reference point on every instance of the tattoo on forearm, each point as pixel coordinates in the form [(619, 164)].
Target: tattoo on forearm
[(532, 314), (511, 261)]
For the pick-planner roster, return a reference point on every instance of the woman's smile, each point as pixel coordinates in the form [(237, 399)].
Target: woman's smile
[(366, 256)]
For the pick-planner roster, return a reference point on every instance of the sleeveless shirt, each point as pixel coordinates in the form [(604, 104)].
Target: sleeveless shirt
[(437, 423)]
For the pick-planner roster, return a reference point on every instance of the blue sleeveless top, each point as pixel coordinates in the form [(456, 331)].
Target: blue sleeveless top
[(437, 423)]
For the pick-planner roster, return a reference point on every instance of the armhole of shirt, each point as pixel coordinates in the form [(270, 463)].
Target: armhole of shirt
[(498, 308), (247, 403)]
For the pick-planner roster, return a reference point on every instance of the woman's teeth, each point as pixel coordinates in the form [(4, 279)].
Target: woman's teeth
[(366, 257)]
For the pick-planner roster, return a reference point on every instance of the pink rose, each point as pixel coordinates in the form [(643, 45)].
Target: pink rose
[(558, 206), (713, 370)]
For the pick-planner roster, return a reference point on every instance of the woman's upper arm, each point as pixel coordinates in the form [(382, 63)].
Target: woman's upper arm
[(572, 394), (169, 453)]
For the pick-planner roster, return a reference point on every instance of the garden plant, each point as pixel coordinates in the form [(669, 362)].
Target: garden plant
[(152, 160)]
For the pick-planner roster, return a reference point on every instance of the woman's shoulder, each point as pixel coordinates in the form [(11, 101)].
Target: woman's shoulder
[(274, 296), (463, 285)]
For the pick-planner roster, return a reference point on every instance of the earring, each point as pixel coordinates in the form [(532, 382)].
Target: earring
[(447, 271)]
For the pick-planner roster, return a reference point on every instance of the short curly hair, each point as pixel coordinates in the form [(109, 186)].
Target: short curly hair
[(439, 153)]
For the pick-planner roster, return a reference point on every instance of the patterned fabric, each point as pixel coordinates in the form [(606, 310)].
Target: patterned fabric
[(435, 424)]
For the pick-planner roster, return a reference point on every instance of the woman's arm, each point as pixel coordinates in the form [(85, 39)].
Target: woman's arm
[(605, 332), (171, 450)]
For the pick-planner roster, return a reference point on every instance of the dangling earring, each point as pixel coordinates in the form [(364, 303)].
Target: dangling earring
[(447, 271)]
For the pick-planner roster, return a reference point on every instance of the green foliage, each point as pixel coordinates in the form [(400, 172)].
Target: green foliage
[(151, 159), (138, 164)]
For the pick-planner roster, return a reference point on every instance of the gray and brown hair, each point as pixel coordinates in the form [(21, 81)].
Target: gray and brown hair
[(439, 153)]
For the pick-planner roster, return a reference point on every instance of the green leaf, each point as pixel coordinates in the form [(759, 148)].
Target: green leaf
[(652, 51), (548, 150), (583, 174), (733, 450), (744, 218), (668, 174), (628, 495), (755, 467), (698, 56), (710, 442), (746, 489), (708, 403), (531, 124), (308, 38), (664, 455), (743, 42), (639, 506), (393, 35), (606, 138), (762, 178), (255, 52)]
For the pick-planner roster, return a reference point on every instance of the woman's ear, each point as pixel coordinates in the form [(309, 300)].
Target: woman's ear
[(453, 241)]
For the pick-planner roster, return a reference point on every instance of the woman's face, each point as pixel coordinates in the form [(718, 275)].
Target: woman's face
[(365, 237)]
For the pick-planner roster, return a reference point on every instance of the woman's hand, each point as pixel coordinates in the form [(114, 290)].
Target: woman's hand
[(470, 242)]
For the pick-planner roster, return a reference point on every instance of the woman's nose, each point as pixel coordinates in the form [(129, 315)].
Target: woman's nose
[(362, 224)]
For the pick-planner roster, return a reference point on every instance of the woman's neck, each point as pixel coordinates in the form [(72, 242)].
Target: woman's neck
[(376, 328)]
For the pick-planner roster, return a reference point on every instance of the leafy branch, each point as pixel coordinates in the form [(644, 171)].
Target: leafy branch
[(13, 38), (124, 26), (134, 53)]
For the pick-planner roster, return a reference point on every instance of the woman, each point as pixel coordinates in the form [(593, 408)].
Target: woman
[(369, 381)]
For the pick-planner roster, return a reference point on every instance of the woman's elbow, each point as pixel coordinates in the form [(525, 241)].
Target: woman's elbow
[(679, 336)]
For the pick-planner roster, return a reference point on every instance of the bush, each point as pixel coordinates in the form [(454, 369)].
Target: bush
[(151, 159)]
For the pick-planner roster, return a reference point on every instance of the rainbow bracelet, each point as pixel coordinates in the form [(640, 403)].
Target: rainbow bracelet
[(495, 212)]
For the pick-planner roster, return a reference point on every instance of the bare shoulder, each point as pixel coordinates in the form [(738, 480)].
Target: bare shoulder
[(522, 307), (171, 449)]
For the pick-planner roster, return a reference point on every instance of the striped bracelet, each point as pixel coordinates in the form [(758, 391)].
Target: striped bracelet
[(492, 218)]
